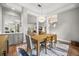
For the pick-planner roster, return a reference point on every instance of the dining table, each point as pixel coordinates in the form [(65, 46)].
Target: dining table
[(40, 38)]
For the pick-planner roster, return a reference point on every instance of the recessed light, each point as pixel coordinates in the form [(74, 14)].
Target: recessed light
[(10, 6), (13, 8)]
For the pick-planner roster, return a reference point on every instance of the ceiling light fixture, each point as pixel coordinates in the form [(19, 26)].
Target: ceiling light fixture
[(52, 19), (13, 8), (41, 18), (10, 6)]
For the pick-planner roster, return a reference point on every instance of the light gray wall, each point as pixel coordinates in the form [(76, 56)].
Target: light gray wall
[(68, 25), (0, 19), (31, 19)]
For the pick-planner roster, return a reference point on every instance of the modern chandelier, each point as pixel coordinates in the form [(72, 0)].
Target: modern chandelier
[(41, 18)]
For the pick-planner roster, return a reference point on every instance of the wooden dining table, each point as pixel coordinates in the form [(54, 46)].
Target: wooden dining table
[(38, 39)]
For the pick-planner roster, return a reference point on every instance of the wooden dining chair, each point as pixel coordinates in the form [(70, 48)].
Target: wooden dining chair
[(47, 43), (54, 39), (51, 41), (3, 45)]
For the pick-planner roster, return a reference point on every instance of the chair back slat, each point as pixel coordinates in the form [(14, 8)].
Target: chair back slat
[(29, 41)]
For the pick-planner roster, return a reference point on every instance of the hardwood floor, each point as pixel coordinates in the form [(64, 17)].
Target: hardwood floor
[(60, 50), (73, 49), (13, 49)]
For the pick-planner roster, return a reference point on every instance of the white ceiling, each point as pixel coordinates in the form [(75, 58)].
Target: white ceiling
[(46, 7), (13, 6), (32, 7)]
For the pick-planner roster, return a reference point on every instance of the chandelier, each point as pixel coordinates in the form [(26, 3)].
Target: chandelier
[(41, 18), (52, 19)]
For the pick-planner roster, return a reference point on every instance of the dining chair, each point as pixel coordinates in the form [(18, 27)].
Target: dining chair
[(47, 43), (3, 45), (32, 45), (54, 39), (50, 42)]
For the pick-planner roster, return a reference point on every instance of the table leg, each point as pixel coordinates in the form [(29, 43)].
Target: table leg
[(45, 46), (38, 48), (51, 43)]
